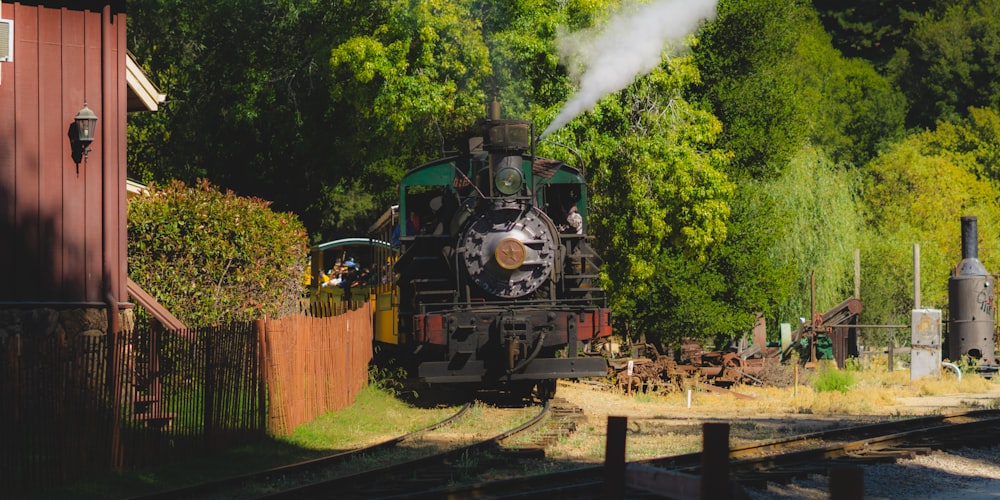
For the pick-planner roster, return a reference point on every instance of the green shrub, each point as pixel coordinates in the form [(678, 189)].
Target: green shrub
[(212, 257), (829, 378)]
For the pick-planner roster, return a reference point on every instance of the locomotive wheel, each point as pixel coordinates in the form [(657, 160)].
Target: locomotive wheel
[(546, 389)]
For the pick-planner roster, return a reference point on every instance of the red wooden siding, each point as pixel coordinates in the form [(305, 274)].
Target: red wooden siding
[(62, 226)]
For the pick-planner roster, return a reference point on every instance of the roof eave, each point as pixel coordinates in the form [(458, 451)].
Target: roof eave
[(144, 92)]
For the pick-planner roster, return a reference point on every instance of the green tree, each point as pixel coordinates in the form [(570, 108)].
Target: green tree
[(871, 30), (850, 109), (773, 78), (521, 37), (318, 106), (406, 86), (916, 193), (248, 102), (951, 61), (718, 297), (976, 137), (212, 256), (801, 120), (654, 159), (748, 80)]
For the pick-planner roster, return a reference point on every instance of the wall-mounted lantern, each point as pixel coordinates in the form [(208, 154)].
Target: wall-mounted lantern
[(86, 126)]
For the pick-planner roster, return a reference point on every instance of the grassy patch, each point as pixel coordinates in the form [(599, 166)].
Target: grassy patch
[(830, 378), (354, 426)]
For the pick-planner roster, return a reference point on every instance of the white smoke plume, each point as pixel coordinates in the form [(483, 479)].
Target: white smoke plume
[(607, 59)]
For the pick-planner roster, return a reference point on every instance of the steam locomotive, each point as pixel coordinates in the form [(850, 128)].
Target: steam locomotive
[(490, 280)]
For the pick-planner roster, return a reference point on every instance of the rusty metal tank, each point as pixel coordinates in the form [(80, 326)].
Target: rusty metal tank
[(970, 302)]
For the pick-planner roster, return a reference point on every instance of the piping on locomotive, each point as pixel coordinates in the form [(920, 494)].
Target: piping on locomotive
[(494, 281)]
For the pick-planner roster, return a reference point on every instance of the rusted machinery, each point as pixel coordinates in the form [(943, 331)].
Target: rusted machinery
[(832, 334), (650, 371)]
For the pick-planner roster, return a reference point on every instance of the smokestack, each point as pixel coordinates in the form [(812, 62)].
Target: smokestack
[(970, 237)]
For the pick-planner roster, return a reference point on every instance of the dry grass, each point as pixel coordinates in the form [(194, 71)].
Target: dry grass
[(950, 385), (664, 424)]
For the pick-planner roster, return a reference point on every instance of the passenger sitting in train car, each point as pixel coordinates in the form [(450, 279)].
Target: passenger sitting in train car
[(412, 223)]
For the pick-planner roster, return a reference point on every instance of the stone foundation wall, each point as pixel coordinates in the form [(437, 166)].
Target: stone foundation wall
[(46, 321)]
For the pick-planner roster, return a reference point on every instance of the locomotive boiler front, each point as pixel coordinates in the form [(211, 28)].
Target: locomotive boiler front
[(508, 251), (970, 303)]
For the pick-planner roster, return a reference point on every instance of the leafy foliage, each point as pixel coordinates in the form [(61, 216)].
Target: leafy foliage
[(973, 141), (772, 76), (916, 193), (951, 61), (869, 30), (662, 169), (521, 37), (211, 257), (747, 79), (247, 97), (819, 227), (829, 378), (413, 80), (849, 108)]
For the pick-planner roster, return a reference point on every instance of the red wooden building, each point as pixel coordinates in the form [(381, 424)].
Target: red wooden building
[(63, 251), (62, 212)]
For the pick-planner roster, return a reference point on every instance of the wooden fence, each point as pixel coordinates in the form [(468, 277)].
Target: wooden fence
[(76, 406), (315, 365)]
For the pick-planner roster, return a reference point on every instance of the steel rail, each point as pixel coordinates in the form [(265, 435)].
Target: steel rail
[(347, 486), (587, 482), (307, 466)]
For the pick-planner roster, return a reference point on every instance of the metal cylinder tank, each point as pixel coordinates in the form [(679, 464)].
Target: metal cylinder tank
[(970, 302)]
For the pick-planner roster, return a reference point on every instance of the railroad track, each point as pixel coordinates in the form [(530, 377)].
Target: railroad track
[(432, 473), (776, 460), (242, 486)]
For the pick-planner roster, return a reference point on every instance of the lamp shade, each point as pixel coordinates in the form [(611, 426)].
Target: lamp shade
[(86, 124)]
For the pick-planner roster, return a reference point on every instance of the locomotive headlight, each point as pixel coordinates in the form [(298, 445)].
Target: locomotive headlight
[(508, 180)]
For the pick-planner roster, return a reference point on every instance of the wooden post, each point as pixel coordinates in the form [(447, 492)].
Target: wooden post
[(916, 275), (629, 370), (614, 458), (847, 483), (260, 326), (890, 349), (795, 387), (715, 462)]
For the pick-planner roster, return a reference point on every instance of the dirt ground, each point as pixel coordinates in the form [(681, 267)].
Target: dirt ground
[(661, 426), (671, 424), (668, 426)]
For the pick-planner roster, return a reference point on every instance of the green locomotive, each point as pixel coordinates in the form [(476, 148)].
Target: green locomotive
[(491, 280)]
